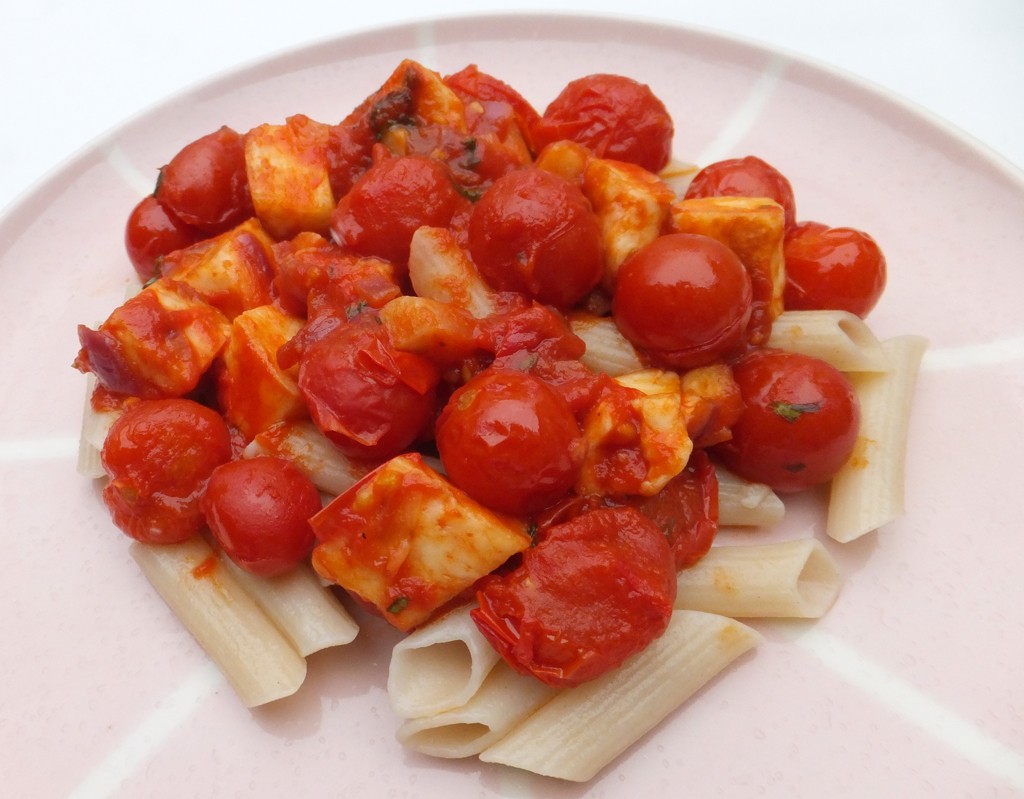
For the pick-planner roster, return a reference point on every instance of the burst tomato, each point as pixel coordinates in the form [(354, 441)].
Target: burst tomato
[(159, 455), (206, 185), (745, 177), (833, 269), (800, 423), (612, 115), (534, 232), (369, 399), (684, 298), (258, 509), (390, 201), (510, 441), (153, 231), (597, 589)]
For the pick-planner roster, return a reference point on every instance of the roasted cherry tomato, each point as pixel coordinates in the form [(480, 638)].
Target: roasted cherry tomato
[(159, 455), (684, 298), (472, 84), (390, 201), (614, 116), (258, 509), (534, 232), (152, 232), (832, 269), (800, 423), (594, 591), (205, 184), (686, 510), (745, 177), (369, 399), (510, 441)]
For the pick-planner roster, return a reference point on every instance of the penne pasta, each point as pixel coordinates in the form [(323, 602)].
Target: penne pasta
[(608, 350), (868, 491), (251, 652), (504, 699), (309, 449), (309, 615), (440, 666), (787, 579), (572, 737), (838, 337), (742, 503), (95, 426)]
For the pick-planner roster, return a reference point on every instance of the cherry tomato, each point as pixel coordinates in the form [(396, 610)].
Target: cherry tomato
[(390, 201), (510, 441), (471, 83), (833, 269), (258, 509), (614, 116), (800, 424), (686, 510), (369, 399), (152, 232), (534, 232), (205, 184), (684, 298), (595, 590), (745, 177), (159, 455)]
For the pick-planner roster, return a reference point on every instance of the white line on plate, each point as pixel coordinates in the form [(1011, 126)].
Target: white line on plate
[(985, 354), (151, 733), (745, 115), (39, 449), (921, 710)]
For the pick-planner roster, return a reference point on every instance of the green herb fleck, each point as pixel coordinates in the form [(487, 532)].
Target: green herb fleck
[(399, 605), (791, 411)]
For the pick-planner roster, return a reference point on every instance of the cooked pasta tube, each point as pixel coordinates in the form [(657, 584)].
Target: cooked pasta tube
[(95, 426), (439, 666), (742, 503), (504, 699), (838, 337), (309, 615), (257, 659), (786, 579), (309, 449), (868, 491), (608, 350), (573, 736)]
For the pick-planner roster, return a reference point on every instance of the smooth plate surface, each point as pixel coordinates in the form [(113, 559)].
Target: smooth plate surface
[(911, 684)]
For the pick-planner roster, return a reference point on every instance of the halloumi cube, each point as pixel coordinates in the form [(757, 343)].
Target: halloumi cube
[(289, 176), (408, 542)]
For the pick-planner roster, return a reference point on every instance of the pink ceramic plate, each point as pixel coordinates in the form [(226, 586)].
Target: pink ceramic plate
[(911, 684)]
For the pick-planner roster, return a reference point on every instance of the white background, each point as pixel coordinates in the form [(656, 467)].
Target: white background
[(71, 70)]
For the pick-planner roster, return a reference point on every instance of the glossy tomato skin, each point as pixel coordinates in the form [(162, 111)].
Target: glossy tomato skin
[(153, 231), (594, 591), (510, 441), (614, 116), (534, 232), (206, 185), (800, 423), (258, 510), (390, 201), (159, 455), (745, 177), (684, 298), (686, 510), (370, 400), (833, 269)]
